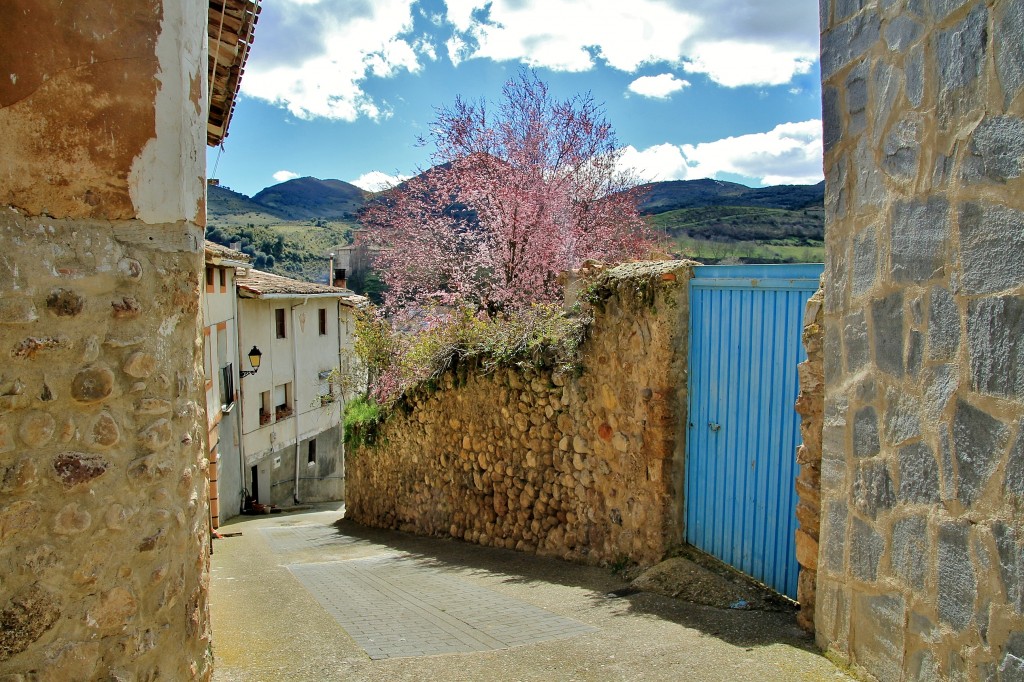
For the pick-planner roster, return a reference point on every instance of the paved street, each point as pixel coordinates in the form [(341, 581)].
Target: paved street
[(296, 597)]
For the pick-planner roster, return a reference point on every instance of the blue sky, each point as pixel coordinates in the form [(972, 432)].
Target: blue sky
[(341, 89)]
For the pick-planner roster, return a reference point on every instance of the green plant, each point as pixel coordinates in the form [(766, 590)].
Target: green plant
[(362, 417), (541, 336)]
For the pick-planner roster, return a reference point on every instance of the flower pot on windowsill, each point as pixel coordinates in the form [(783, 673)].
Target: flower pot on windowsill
[(282, 414), (264, 418), (326, 400)]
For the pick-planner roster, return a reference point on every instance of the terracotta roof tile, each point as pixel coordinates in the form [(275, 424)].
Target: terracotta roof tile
[(215, 251), (256, 283)]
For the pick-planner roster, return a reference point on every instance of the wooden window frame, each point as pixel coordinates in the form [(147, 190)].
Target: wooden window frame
[(280, 323)]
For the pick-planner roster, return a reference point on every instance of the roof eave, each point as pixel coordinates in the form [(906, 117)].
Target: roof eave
[(248, 293)]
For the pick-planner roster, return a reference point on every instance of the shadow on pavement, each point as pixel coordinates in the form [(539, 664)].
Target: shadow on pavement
[(742, 628)]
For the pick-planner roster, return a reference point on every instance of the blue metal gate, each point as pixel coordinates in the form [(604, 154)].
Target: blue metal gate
[(745, 343)]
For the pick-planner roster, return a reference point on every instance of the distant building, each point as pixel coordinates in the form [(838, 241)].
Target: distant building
[(221, 366), (291, 433), (274, 433)]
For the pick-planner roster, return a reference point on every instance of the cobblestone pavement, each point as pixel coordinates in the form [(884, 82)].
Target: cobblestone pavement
[(297, 597)]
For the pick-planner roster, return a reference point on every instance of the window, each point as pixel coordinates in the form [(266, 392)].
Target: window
[(282, 401), (264, 408), (326, 387), (209, 277), (279, 320), (323, 321), (223, 278), (227, 386), (311, 456)]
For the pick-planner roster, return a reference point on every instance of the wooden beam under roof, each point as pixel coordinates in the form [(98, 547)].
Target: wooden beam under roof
[(231, 25)]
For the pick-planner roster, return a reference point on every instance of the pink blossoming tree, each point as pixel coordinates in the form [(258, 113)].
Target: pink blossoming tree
[(512, 200)]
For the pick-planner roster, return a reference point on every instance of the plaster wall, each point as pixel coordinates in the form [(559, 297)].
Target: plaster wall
[(219, 302), (920, 569), (220, 346), (272, 446), (103, 513)]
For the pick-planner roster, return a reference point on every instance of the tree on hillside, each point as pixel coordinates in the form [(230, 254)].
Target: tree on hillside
[(512, 200)]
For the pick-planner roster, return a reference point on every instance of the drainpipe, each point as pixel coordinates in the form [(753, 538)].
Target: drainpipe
[(295, 392), (341, 393), (235, 313)]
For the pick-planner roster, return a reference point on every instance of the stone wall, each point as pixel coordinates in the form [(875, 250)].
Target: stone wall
[(810, 404), (920, 571), (585, 467), (103, 505)]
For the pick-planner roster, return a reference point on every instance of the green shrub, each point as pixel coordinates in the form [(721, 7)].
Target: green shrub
[(541, 336), (362, 416)]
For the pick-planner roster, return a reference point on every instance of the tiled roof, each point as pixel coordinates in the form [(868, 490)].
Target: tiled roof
[(256, 283), (215, 251)]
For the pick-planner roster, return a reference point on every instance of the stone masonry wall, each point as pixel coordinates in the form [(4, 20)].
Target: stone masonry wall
[(104, 524), (103, 518), (921, 564), (583, 468), (810, 404)]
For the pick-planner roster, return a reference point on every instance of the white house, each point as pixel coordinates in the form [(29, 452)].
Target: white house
[(291, 412), (220, 360)]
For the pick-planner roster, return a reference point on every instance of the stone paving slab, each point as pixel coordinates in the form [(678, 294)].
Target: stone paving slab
[(394, 606), (289, 539)]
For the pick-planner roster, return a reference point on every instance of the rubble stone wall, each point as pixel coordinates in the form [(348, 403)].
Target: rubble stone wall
[(810, 404), (585, 467), (104, 522), (921, 562)]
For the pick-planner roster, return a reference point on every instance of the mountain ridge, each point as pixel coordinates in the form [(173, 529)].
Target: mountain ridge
[(309, 198)]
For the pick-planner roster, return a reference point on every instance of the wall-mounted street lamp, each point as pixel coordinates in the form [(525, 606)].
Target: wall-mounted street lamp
[(254, 359)]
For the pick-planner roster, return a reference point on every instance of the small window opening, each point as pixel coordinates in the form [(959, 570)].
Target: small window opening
[(279, 320), (265, 408)]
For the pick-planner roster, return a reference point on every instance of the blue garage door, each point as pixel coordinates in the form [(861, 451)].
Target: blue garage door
[(746, 323)]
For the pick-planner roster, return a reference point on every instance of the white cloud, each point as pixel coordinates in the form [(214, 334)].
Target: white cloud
[(655, 164), (283, 175), (660, 87), (732, 63), (789, 154), (567, 35), (733, 42), (375, 181), (313, 57)]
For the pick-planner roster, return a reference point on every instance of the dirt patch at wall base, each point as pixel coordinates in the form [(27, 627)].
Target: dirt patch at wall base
[(683, 578)]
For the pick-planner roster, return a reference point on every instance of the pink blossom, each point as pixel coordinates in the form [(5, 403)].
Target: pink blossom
[(511, 201)]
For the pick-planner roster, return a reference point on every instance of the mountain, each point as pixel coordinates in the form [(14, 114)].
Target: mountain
[(223, 203), (291, 226), (660, 197), (309, 198), (727, 212)]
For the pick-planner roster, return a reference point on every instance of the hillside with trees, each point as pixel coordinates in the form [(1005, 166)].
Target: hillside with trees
[(290, 228)]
